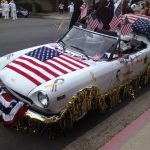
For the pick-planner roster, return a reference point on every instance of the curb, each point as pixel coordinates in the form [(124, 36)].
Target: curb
[(50, 16)]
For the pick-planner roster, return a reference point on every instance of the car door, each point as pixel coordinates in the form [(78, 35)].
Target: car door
[(128, 66)]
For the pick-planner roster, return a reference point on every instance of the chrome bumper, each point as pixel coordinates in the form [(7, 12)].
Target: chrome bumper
[(39, 117)]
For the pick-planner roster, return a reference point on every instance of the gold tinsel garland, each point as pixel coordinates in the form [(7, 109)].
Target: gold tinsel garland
[(85, 100)]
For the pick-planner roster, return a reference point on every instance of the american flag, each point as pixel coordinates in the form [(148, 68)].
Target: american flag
[(96, 57), (142, 26), (117, 18), (93, 22), (10, 109), (84, 9), (133, 17), (126, 27), (44, 64)]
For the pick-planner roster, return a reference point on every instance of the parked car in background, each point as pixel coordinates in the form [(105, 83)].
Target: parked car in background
[(22, 12)]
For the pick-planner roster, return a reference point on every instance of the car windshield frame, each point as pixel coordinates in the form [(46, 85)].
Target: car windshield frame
[(89, 42)]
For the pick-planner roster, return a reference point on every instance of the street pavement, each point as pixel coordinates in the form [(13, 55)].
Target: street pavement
[(52, 15), (135, 136)]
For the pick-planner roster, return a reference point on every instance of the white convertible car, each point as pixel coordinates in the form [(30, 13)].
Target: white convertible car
[(68, 78)]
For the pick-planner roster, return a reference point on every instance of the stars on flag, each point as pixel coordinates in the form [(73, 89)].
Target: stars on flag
[(142, 26)]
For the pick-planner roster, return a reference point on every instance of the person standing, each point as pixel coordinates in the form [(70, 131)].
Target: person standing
[(61, 8), (76, 13), (13, 10), (2, 6), (146, 10), (6, 10), (105, 12), (71, 8), (126, 7)]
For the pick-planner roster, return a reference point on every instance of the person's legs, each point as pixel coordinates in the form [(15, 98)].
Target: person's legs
[(7, 15), (15, 14)]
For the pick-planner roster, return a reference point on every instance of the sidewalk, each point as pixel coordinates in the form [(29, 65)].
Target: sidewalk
[(136, 136), (52, 15)]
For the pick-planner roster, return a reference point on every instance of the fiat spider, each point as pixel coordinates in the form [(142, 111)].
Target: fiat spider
[(68, 78)]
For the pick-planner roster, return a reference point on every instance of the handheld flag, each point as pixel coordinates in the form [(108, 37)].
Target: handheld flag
[(93, 22), (126, 27), (117, 18)]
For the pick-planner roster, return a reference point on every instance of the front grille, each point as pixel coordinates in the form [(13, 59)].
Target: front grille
[(18, 96), (32, 106), (22, 96)]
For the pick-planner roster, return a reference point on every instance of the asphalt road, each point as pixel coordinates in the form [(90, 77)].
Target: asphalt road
[(29, 32), (89, 133)]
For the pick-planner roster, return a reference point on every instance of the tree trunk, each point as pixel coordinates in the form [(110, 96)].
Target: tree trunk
[(33, 6)]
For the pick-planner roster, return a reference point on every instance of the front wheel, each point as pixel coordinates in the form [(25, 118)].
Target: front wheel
[(26, 15)]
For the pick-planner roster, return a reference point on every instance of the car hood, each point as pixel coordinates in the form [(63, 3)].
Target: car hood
[(38, 66)]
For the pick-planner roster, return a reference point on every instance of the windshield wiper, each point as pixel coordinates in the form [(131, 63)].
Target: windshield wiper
[(81, 50), (63, 45)]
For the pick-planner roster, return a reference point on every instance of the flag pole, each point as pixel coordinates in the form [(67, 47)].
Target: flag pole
[(121, 18)]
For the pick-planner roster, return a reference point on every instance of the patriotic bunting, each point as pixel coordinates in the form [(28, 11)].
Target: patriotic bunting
[(10, 109)]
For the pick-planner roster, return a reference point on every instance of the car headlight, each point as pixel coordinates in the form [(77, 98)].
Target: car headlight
[(43, 99)]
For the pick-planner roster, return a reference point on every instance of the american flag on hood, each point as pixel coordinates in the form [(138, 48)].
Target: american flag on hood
[(117, 18), (44, 64), (126, 27), (93, 22), (10, 109)]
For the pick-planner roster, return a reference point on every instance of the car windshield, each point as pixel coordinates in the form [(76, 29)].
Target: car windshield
[(89, 42)]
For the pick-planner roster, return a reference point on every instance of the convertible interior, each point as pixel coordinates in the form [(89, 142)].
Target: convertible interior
[(132, 46), (125, 46)]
